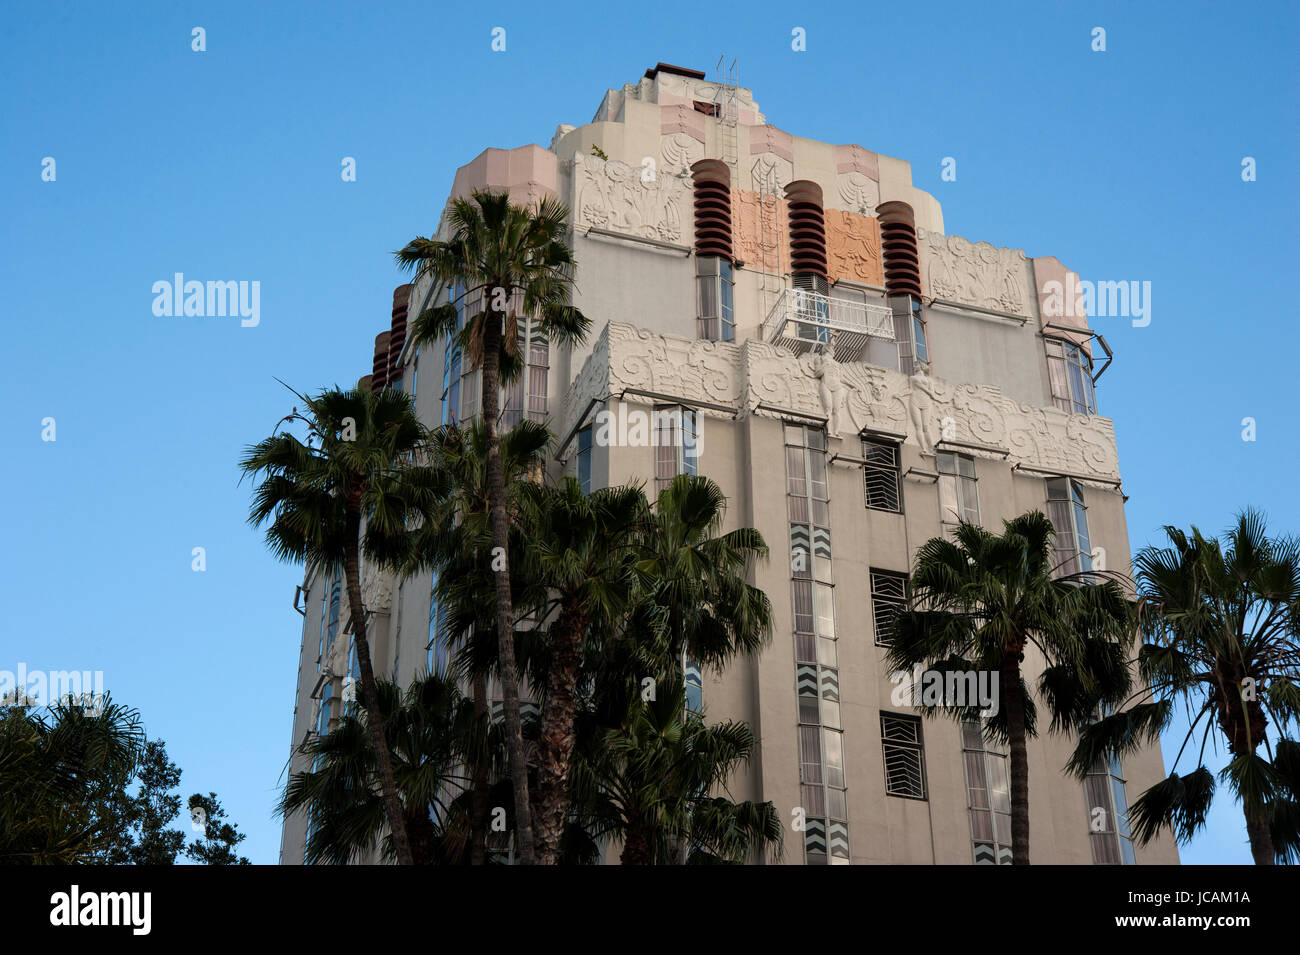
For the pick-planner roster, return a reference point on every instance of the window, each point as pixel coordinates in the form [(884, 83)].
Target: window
[(694, 687), (882, 475), (904, 755), (676, 443), (888, 597), (988, 796), (584, 459), (817, 684), (715, 284), (527, 393), (415, 372), (958, 497), (1069, 369), (326, 706), (332, 628), (1069, 518), (1107, 805), (909, 333), (438, 656)]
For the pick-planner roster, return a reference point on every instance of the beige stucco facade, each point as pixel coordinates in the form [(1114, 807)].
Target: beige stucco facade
[(987, 396)]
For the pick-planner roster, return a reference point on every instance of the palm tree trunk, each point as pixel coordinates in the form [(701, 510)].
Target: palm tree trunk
[(374, 718), (479, 799), (1014, 701), (636, 847), (555, 748), (1261, 838), (505, 609)]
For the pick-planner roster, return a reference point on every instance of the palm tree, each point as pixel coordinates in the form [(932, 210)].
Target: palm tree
[(432, 732), (357, 467), (980, 601), (647, 781), (515, 263), (451, 543), (55, 766), (577, 558), (1219, 627), (695, 573)]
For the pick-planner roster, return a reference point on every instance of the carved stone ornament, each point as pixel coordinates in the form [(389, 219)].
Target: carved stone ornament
[(758, 378), (376, 589), (976, 273), (623, 198), (679, 151), (858, 193)]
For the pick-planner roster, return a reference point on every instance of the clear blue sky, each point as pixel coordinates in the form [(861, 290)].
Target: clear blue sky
[(225, 165)]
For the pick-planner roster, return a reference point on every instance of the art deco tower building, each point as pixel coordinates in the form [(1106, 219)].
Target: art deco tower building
[(858, 380)]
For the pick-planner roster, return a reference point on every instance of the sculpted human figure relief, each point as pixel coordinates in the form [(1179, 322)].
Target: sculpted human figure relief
[(921, 401), (830, 388)]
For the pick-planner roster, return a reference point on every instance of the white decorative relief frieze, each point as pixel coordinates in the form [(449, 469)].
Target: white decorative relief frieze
[(858, 193), (678, 152), (771, 173), (376, 589), (976, 273), (614, 195), (758, 378)]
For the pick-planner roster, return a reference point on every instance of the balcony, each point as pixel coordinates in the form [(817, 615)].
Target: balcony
[(804, 321)]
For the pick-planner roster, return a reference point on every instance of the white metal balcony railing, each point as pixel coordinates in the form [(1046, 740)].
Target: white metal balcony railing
[(803, 321)]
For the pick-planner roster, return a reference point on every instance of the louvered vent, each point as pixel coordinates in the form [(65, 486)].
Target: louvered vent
[(899, 249), (397, 333), (712, 208), (379, 372), (884, 492), (888, 595), (807, 232), (904, 757)]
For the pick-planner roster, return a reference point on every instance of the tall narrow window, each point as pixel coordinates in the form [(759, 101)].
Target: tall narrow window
[(882, 475), (888, 596), (988, 796), (676, 443), (1069, 518), (1069, 369), (415, 372), (715, 285), (584, 459), (904, 752), (958, 495), (331, 631), (1107, 805), (325, 713), (526, 395), (451, 362), (817, 685), (909, 332)]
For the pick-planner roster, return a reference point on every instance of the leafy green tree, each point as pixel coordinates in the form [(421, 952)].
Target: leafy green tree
[(135, 825), (452, 543), (434, 733), (359, 467), (979, 602), (578, 560), (1219, 624), (54, 762), (648, 779), (510, 263), (219, 838)]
